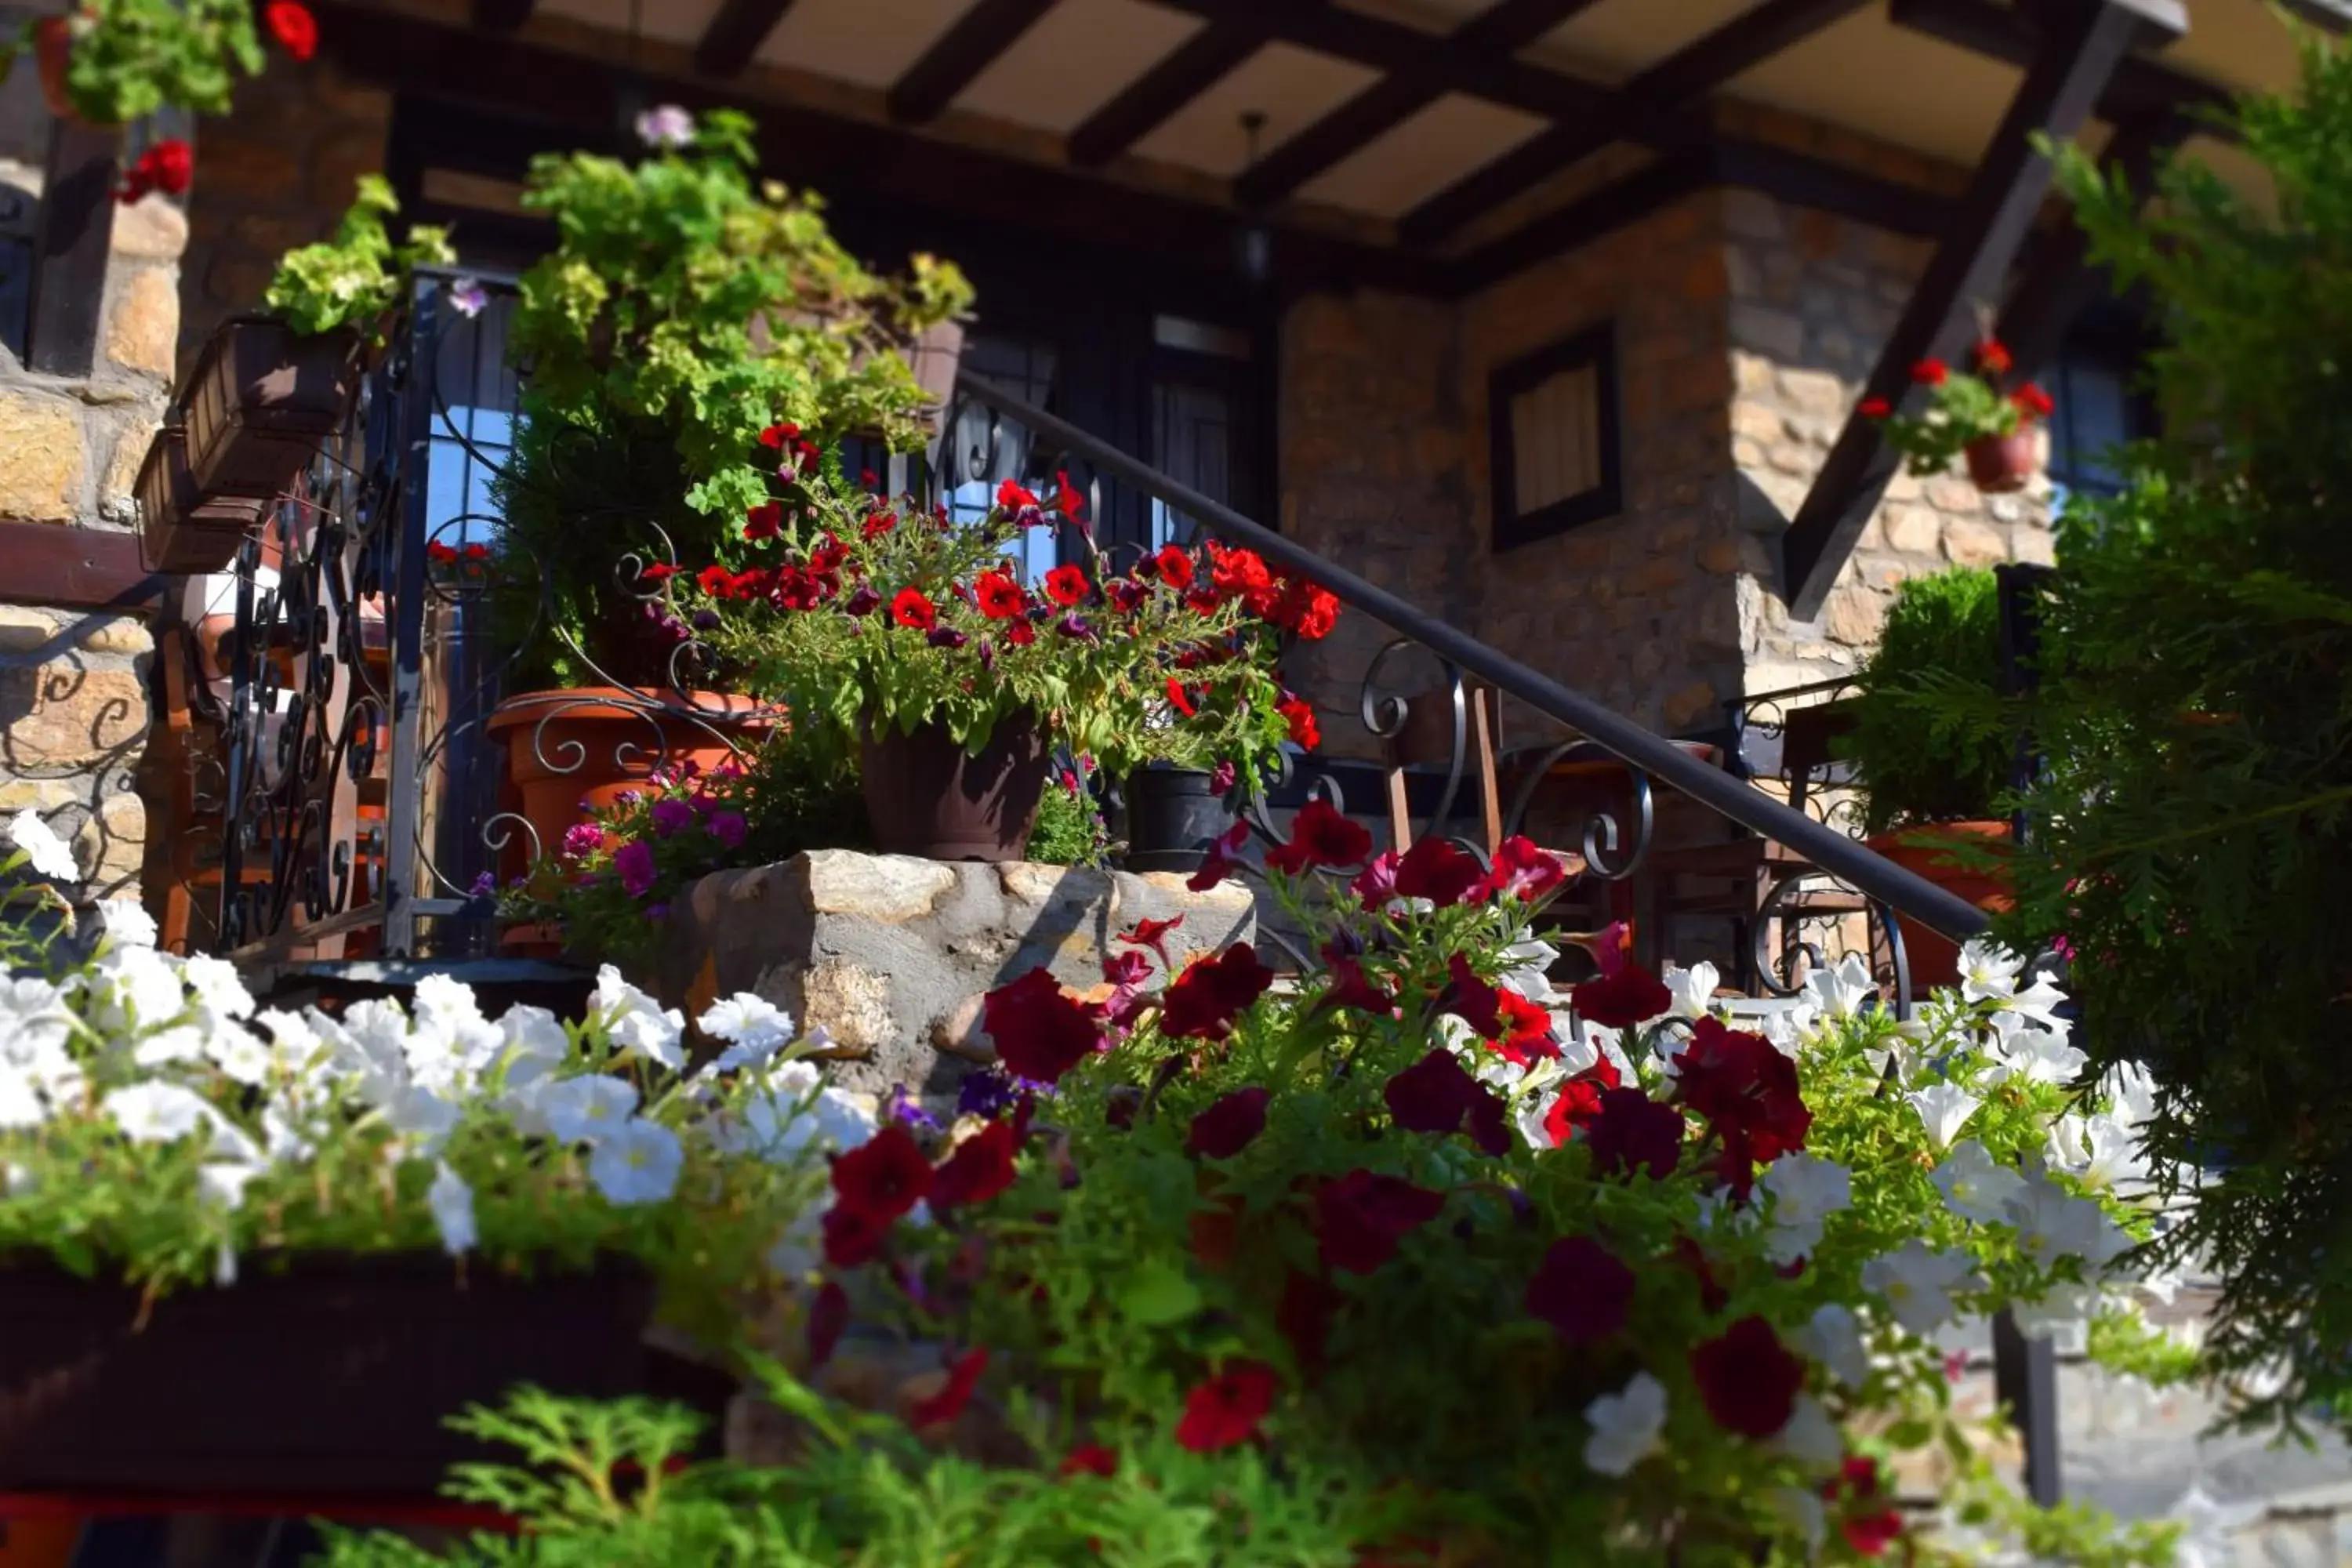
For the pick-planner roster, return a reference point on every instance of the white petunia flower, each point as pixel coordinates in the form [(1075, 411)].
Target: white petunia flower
[(2111, 1153), (666, 128), (1839, 993), (1834, 1338), (446, 998), (134, 987), (1693, 989), (844, 1123), (222, 1183), (48, 854), (1527, 966), (1625, 1426), (156, 1112), (2037, 1055), (20, 1103), (2055, 1223), (638, 1163), (583, 1109), (1974, 1186), (34, 1017), (2133, 1090), (746, 1018), (240, 1054), (637, 1023), (452, 1203), (217, 985), (1811, 1437), (126, 923), (1988, 971), (1946, 1109), (418, 1113), (1918, 1283), (1805, 1191), (2063, 1311)]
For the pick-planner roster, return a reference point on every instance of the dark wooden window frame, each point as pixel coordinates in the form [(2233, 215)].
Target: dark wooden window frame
[(1595, 347)]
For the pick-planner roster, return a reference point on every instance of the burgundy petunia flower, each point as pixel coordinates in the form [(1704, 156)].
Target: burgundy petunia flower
[(1437, 870), (1223, 777), (1204, 1002), (1090, 1459), (1620, 1000), (1748, 1380), (828, 1320), (853, 1236), (1226, 1409), (1436, 1095), (1229, 1126), (883, 1177), (1040, 1030), (1309, 1303), (1219, 863), (1361, 1218), (1748, 1091), (1320, 836), (1583, 1289), (1633, 1133), (948, 1403), (1479, 1005), (1350, 988), (981, 1168)]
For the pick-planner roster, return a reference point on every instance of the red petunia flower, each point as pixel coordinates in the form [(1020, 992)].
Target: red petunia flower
[(1206, 998), (775, 436), (441, 555), (1930, 372), (1303, 732), (853, 1236), (1306, 608), (911, 608), (1435, 869), (716, 581), (999, 596), (1320, 836), (1226, 1409), (1577, 1105), (1622, 995), (1526, 1034), (1090, 1459), (1748, 1380), (981, 1168), (878, 523), (1361, 1218), (1869, 1525), (763, 521), (1521, 871), (1040, 1030), (830, 555), (752, 584), (1011, 497), (883, 1177), (1152, 934), (1874, 408), (1228, 1127), (1633, 1133), (1067, 586), (1436, 1095), (661, 572), (1174, 566), (1748, 1093), (1239, 574), (1581, 1289), (2033, 401), (1477, 1003), (1993, 357), (948, 1403), (1180, 700), (1067, 499), (828, 1320), (292, 24), (1350, 988)]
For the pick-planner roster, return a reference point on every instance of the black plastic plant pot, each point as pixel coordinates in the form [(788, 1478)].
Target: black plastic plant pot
[(336, 1376), (1171, 819)]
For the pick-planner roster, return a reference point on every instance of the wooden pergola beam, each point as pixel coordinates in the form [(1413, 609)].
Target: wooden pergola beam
[(1197, 65), (735, 35), (503, 15), (2140, 86), (1495, 34), (1652, 96), (2082, 42), (979, 37)]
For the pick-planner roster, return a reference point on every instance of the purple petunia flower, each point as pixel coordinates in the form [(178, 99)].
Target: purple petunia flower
[(1076, 625), (903, 1107), (634, 863), (945, 636), (864, 601), (729, 829), (992, 1091), (669, 816), (468, 297), (656, 911), (484, 886), (582, 839)]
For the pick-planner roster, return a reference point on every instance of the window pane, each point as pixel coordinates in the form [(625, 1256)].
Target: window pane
[(1192, 443)]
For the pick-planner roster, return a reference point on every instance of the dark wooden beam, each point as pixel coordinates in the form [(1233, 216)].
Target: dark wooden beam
[(2082, 44), (1691, 72), (1802, 180), (2057, 282), (2141, 85), (1665, 180), (70, 238), (76, 568), (1198, 64), (735, 35), (978, 36), (1497, 33), (503, 15)]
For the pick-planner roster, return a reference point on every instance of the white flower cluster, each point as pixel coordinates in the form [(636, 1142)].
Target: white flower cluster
[(140, 1036)]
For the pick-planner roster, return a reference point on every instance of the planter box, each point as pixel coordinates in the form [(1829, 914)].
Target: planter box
[(336, 1376), (180, 528), (262, 401)]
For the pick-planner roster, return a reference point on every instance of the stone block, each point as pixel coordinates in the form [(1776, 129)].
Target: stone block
[(1814, 391), (1756, 421), (151, 230), (40, 481), (37, 795), (1947, 493), (1855, 614), (23, 629), (1777, 334), (1969, 543), (2035, 545), (1912, 529), (60, 714), (120, 486), (891, 956), (143, 333), (1751, 214), (112, 844)]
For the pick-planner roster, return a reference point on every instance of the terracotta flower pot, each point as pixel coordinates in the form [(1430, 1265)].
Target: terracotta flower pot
[(925, 797), (263, 400), (2003, 465), (934, 357), (1171, 819), (335, 1376), (1927, 852), (182, 528), (572, 751), (53, 54)]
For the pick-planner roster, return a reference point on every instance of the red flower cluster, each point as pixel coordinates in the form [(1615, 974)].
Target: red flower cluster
[(1624, 993), (1748, 1379), (1631, 1132), (1320, 835), (1992, 358), (980, 1169), (1436, 1095), (1206, 998), (1931, 373), (873, 1185), (1577, 1106), (2033, 401), (168, 166), (1293, 604), (1581, 1289), (1040, 1030), (441, 555), (1304, 732), (291, 23), (1747, 1092), (1868, 1519), (1226, 1409), (1361, 1218), (800, 454)]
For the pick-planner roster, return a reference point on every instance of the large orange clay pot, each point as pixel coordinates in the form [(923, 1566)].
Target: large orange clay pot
[(1927, 852)]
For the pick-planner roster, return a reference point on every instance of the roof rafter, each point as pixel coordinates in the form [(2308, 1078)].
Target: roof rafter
[(1496, 33), (978, 36), (1746, 40), (503, 15), (1198, 64), (735, 35)]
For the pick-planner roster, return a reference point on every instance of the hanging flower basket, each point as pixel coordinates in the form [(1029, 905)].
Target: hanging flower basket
[(336, 1376), (262, 402), (180, 528), (2003, 465), (53, 53), (934, 357)]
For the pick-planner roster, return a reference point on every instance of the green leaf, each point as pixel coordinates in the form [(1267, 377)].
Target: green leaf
[(1158, 1294)]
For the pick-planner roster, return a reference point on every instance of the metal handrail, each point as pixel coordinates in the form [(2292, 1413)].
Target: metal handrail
[(1834, 853)]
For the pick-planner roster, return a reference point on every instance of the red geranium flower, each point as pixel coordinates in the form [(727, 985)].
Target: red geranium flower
[(1228, 1127), (828, 1318), (853, 1236), (1179, 700), (1436, 1095), (1174, 566), (1067, 586), (910, 608), (1090, 1459), (292, 24), (1874, 408), (1041, 1031), (1320, 835), (1577, 1105), (775, 436), (1521, 871), (999, 596), (1209, 994), (1931, 373), (1583, 1290), (763, 521), (1361, 1218), (1748, 1379), (1226, 1409), (1993, 357), (1011, 497), (1303, 732), (168, 166), (1433, 869), (1633, 1133), (1478, 1003), (948, 1403), (2033, 401), (981, 1167), (1152, 934), (885, 1176)]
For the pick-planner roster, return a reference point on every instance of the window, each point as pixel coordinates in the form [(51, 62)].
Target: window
[(1554, 421), (2100, 409)]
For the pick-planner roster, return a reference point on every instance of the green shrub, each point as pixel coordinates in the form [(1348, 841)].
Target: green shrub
[(1918, 744)]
